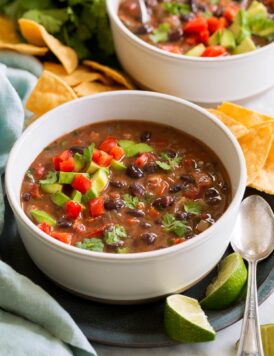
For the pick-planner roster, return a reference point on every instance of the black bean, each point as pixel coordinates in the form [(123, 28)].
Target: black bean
[(145, 225), (180, 215), (114, 204), (145, 136), (214, 200), (186, 17), (137, 189), (134, 172), (201, 7), (224, 187), (117, 183), (143, 30), (64, 223), (149, 237), (171, 153), (163, 202), (218, 12), (77, 149), (211, 192), (151, 167), (187, 179), (175, 35), (26, 196), (175, 188), (135, 212)]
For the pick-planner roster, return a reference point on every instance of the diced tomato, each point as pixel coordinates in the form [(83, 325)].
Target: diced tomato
[(44, 227), (108, 144), (81, 183), (192, 192), (39, 171), (35, 191), (62, 236), (141, 160), (231, 11), (196, 25), (68, 165), (65, 155), (96, 207), (192, 40), (214, 51), (173, 48), (215, 24), (72, 209), (178, 240), (105, 160), (204, 36), (98, 231), (117, 152), (153, 212), (61, 158), (96, 155)]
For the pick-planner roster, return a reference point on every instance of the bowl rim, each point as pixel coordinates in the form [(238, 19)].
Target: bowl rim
[(200, 238), (179, 57)]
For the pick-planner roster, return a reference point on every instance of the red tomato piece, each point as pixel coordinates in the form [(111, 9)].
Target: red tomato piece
[(108, 144), (172, 48), (68, 165), (96, 155), (204, 36), (215, 24), (214, 51), (231, 11), (104, 159), (96, 207), (117, 152), (141, 160), (81, 183), (61, 158), (39, 171), (192, 40), (35, 191), (192, 192), (196, 25), (45, 227), (98, 231), (65, 237), (73, 209)]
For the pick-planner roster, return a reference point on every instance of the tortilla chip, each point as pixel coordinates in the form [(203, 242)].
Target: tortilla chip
[(25, 48), (256, 147), (80, 75), (109, 72), (235, 127), (8, 32), (37, 35), (89, 88), (265, 179), (247, 117), (49, 92)]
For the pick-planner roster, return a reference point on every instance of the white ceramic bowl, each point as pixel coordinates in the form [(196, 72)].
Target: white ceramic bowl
[(202, 80), (139, 276)]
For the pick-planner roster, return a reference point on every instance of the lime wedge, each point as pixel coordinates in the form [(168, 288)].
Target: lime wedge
[(185, 321), (228, 285)]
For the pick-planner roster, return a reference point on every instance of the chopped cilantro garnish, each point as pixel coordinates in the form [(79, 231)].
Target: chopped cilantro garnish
[(193, 207), (173, 8), (132, 149), (169, 163), (114, 237), (160, 34), (164, 165), (93, 244), (88, 152), (170, 224), (131, 202), (51, 178), (148, 198)]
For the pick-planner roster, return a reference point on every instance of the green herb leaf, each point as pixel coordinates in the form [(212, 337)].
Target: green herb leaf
[(173, 8), (214, 2), (170, 224), (163, 165), (51, 178), (114, 237), (88, 152), (132, 149), (170, 163), (92, 244), (160, 34), (193, 207), (130, 201), (148, 198)]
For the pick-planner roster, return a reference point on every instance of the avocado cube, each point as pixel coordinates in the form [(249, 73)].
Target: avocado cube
[(42, 217), (60, 199)]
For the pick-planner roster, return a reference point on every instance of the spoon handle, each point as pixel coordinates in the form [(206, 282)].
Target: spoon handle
[(250, 341)]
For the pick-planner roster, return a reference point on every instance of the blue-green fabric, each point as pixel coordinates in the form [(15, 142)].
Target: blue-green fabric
[(31, 322)]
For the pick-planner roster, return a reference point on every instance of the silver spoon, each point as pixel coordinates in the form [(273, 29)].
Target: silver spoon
[(253, 239), (144, 13)]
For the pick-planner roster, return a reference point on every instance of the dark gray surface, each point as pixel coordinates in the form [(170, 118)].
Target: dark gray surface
[(135, 326)]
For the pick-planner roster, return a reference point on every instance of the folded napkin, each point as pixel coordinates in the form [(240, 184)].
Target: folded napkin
[(31, 322)]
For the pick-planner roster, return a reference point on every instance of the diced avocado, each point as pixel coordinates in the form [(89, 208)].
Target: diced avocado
[(79, 162), (227, 39), (215, 39), (51, 188), (100, 180), (42, 217), (264, 28), (93, 167), (118, 165), (60, 198), (90, 194), (76, 196), (256, 11), (247, 45), (122, 250), (239, 32), (196, 51), (68, 177)]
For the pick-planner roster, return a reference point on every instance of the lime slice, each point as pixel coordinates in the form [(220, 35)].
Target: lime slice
[(228, 285), (185, 320)]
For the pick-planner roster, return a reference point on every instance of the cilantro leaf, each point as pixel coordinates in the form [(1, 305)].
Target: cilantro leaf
[(160, 34), (163, 165), (92, 244), (130, 201), (170, 224), (169, 163), (132, 149), (88, 152), (114, 236), (173, 8), (193, 207), (51, 178)]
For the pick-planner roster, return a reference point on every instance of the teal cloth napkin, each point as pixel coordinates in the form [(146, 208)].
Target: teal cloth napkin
[(31, 321)]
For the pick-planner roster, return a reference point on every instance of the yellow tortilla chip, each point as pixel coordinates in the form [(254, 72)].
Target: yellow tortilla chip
[(256, 146), (25, 48), (37, 35), (80, 75), (113, 74), (265, 179), (235, 127), (243, 115), (8, 31), (89, 88), (49, 92)]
